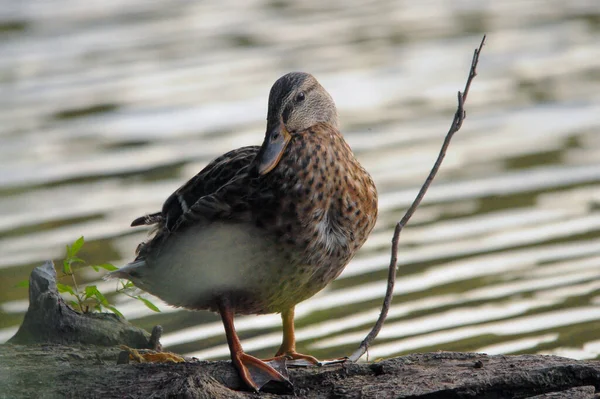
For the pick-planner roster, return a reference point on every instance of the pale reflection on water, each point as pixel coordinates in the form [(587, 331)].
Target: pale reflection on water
[(107, 108)]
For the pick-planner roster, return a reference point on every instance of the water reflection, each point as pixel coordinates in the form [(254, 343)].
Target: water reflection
[(109, 107)]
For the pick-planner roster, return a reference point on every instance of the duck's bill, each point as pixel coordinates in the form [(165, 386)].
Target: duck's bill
[(272, 149)]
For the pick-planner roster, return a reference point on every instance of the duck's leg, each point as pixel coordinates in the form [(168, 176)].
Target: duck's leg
[(254, 372), (288, 345)]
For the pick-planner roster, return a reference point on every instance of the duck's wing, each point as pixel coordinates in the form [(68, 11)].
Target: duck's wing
[(195, 198)]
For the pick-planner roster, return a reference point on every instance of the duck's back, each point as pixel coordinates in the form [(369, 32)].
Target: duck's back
[(215, 175)]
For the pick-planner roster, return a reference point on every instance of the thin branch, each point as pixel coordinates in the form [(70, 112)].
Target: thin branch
[(459, 117)]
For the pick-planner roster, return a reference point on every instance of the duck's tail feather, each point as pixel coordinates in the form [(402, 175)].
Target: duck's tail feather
[(130, 271), (150, 219)]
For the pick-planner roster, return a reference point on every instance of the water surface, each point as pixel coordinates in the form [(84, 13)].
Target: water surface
[(106, 108)]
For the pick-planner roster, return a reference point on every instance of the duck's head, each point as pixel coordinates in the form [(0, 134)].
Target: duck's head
[(296, 102)]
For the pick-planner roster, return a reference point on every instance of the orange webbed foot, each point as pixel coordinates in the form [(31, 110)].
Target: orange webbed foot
[(257, 373)]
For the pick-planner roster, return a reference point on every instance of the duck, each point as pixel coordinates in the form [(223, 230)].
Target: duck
[(262, 228)]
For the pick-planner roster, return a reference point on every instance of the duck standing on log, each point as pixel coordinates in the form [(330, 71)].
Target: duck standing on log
[(261, 229)]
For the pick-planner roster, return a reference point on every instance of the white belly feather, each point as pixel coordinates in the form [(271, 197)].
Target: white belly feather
[(213, 258)]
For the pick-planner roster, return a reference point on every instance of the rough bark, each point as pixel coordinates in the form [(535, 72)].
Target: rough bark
[(85, 365), (50, 370)]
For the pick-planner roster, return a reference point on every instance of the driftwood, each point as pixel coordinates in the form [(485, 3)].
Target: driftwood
[(90, 371), (50, 320), (84, 364)]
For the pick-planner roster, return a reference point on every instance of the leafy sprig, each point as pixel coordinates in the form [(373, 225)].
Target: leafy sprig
[(90, 298)]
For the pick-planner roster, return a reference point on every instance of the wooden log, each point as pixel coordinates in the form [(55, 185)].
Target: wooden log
[(50, 320), (85, 365), (52, 370)]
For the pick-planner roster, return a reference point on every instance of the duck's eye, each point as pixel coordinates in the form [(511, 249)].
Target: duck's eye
[(300, 97)]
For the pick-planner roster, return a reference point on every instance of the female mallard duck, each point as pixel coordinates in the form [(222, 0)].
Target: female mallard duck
[(261, 229)]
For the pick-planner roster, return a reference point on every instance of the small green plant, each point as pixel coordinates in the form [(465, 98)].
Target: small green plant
[(90, 298)]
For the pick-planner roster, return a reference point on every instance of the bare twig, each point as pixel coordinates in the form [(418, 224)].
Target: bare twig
[(459, 117)]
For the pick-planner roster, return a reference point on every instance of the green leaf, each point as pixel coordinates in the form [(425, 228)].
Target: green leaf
[(125, 285), (68, 255), (90, 291), (75, 259), (96, 268), (67, 267), (115, 311), (24, 283), (76, 247), (149, 304), (65, 288), (107, 266), (101, 298), (74, 305)]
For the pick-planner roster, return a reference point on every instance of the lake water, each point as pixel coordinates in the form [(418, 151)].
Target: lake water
[(106, 107)]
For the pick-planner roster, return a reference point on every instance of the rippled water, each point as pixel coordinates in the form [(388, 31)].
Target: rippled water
[(107, 107)]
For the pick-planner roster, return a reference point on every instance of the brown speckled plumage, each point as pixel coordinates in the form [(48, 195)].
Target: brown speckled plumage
[(318, 182), (290, 214)]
